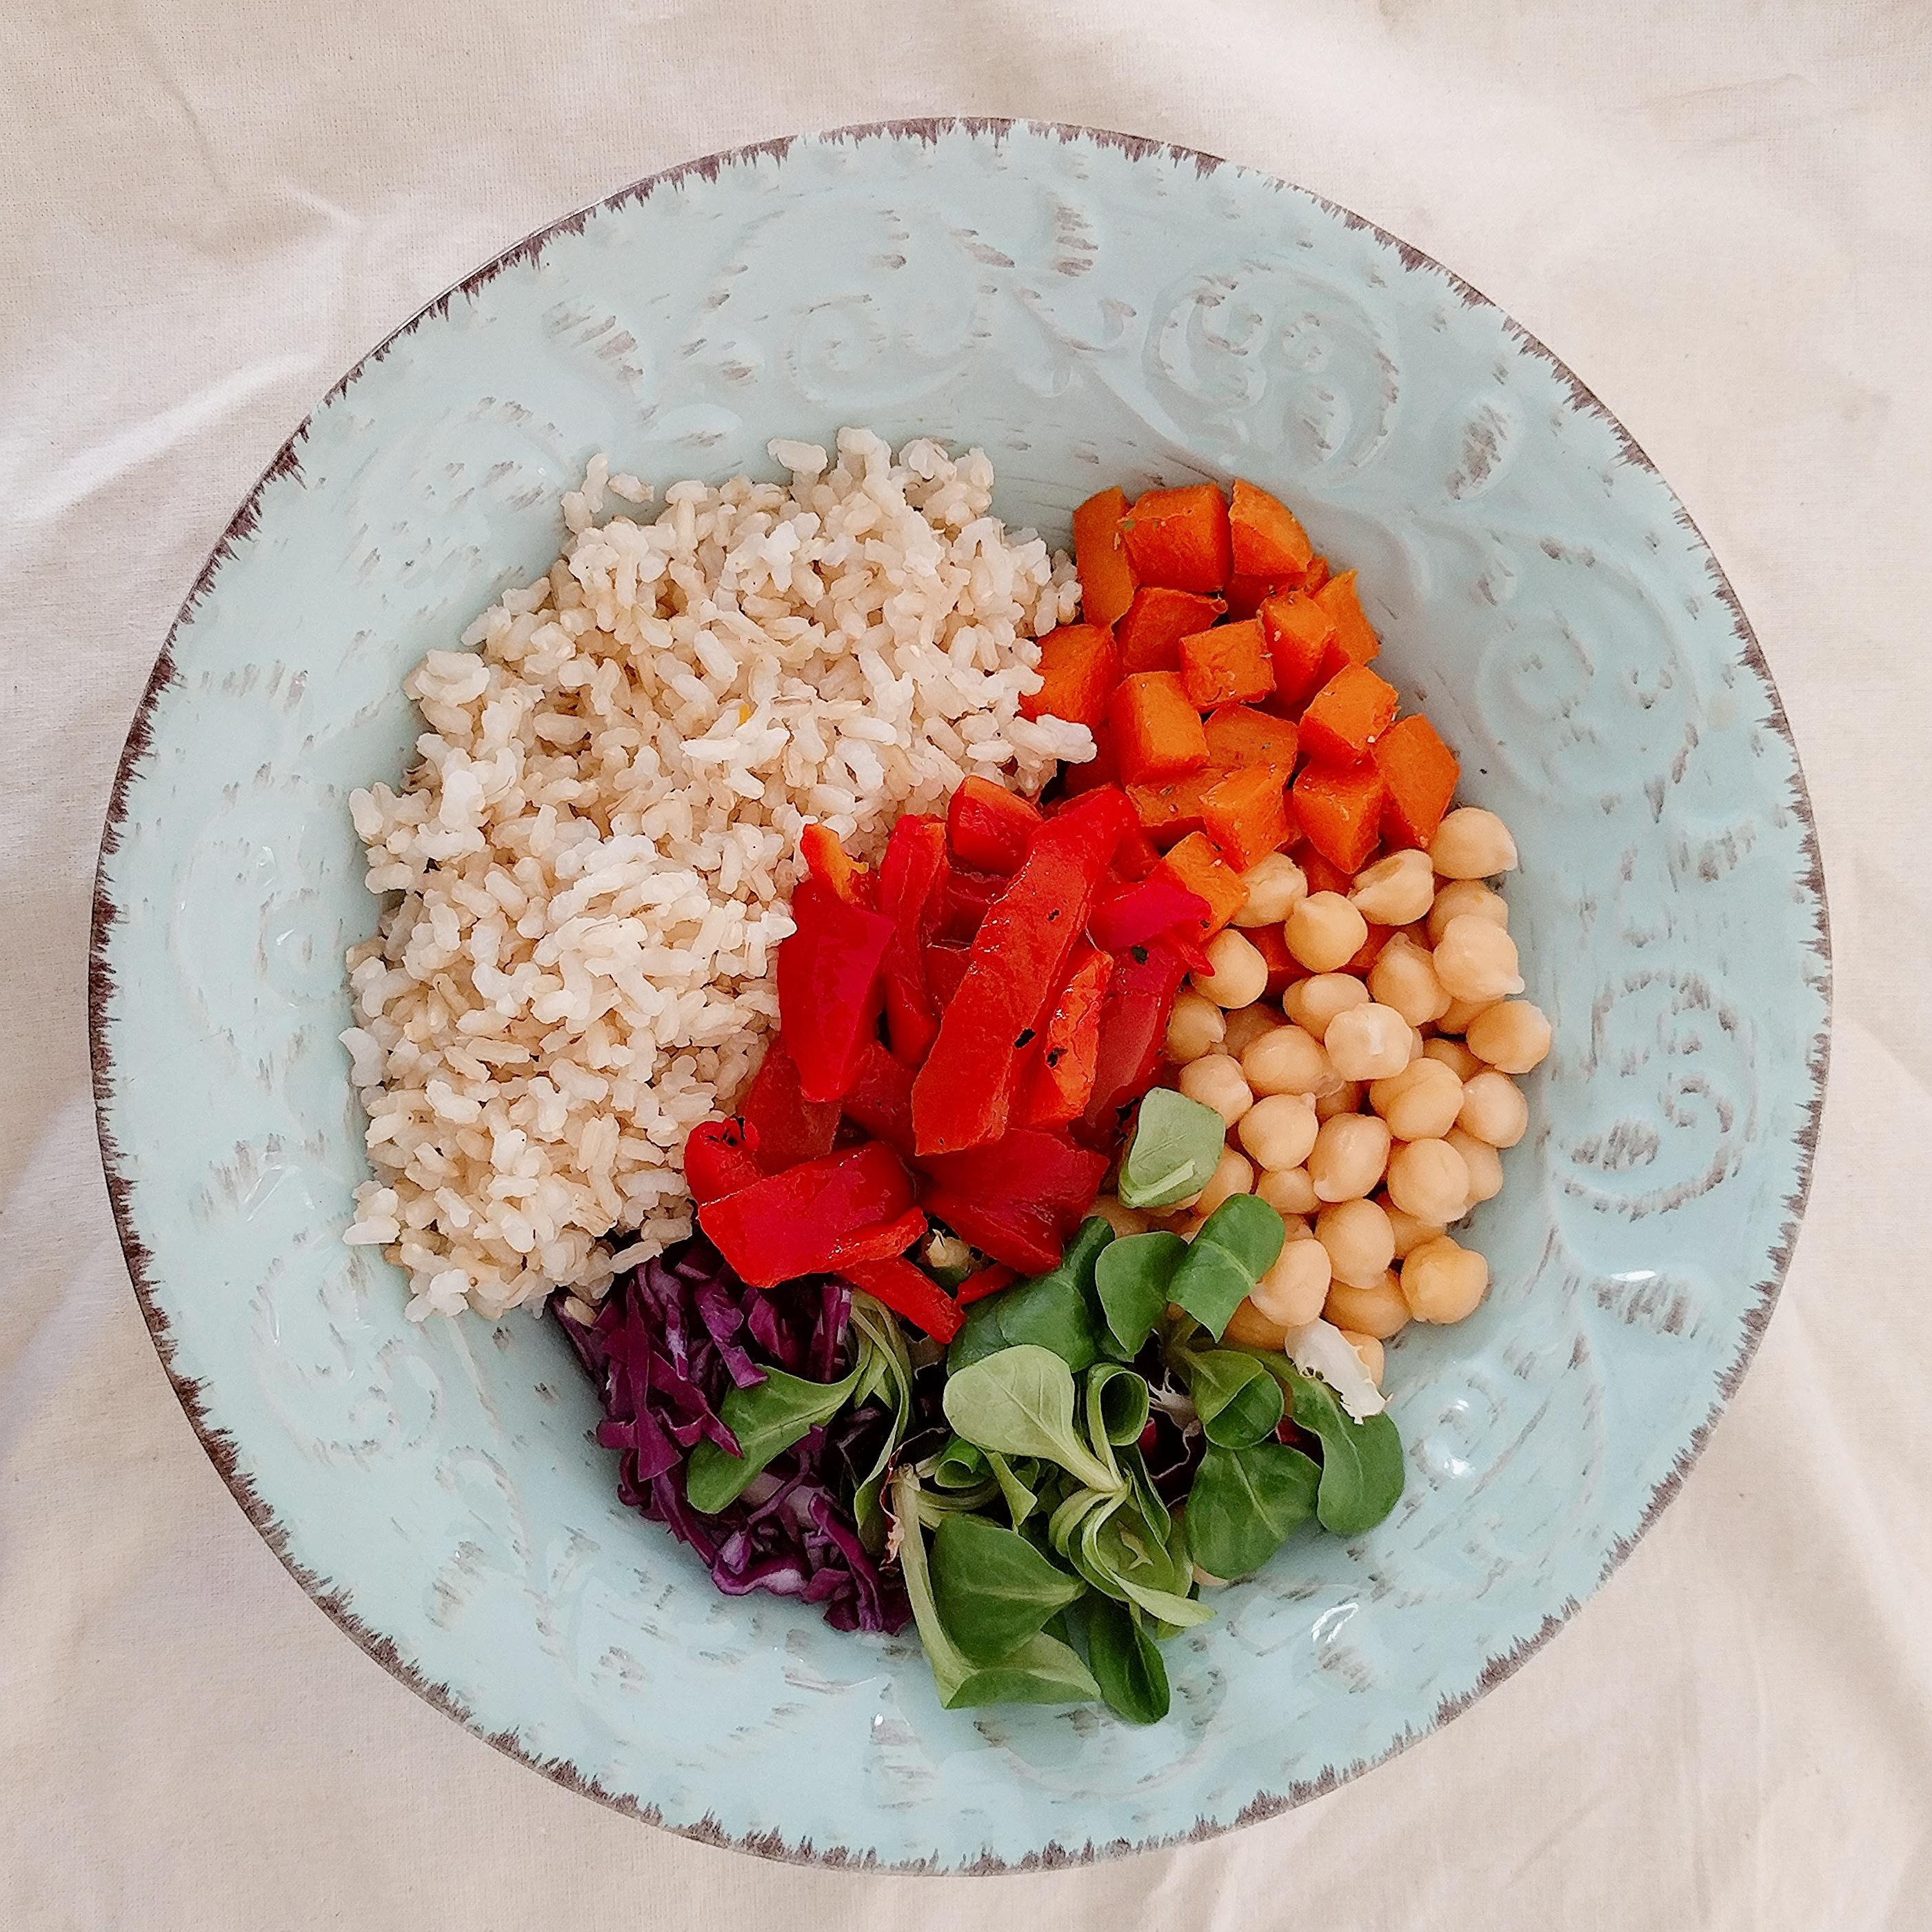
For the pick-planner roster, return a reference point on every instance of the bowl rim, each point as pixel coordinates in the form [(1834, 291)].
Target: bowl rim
[(334, 1603)]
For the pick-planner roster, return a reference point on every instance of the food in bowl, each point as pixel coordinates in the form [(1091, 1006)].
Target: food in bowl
[(1060, 991)]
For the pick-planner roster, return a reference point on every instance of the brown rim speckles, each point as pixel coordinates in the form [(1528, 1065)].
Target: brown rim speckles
[(220, 1449)]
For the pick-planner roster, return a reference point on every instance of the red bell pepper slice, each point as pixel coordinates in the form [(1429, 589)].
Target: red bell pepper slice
[(719, 1158), (1059, 1078), (915, 858), (910, 1292), (1138, 854), (1134, 915), (988, 826), (1017, 1199), (790, 1224), (964, 1092), (961, 901), (827, 861), (828, 992), (1133, 1029), (983, 1282), (785, 1127), (945, 967), (880, 1101), (878, 1244)]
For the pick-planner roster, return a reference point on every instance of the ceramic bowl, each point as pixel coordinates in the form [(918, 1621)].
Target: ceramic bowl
[(1090, 310)]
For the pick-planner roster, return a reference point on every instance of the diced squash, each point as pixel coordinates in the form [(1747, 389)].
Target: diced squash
[(1315, 575), (1355, 636), (1170, 811), (1136, 855), (1081, 666), (1238, 736), (1419, 772), (1245, 814), (1247, 595), (1227, 665), (1339, 808), (1106, 576), (1150, 634), (1195, 865), (1366, 954), (1266, 538), (1321, 875), (1299, 633), (1180, 538), (1283, 968), (1346, 716), (1157, 733), (1101, 769)]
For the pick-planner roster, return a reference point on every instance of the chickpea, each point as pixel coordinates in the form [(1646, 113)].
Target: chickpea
[(1351, 1151), (1474, 960), (1370, 1350), (1288, 1060), (1119, 1216), (1395, 890), (1455, 1017), (1234, 1174), (1251, 1329), (1513, 1036), (1195, 1027), (1215, 1080), (1472, 844), (1419, 1103), (1377, 1309), (1494, 1110), (1454, 1055), (1313, 1003), (1443, 1281), (1369, 1042), (1410, 1233), (1404, 977), (1275, 886), (1288, 1190), (1359, 1241), (1324, 931), (1484, 1164), (1238, 974), (1430, 1180), (1295, 1289), (1344, 1097), (1245, 1025), (1279, 1131), (1466, 899)]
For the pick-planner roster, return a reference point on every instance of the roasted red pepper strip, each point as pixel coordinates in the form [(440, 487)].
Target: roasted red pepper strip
[(878, 1244), (988, 826), (786, 1128), (945, 968), (719, 1158), (880, 1101), (960, 902), (983, 1282), (964, 1092), (1133, 917), (1133, 1028), (790, 1224), (910, 1292), (1018, 1199), (915, 858), (1059, 1079), (827, 861), (829, 987)]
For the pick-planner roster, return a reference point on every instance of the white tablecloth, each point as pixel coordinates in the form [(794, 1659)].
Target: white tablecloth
[(1720, 214)]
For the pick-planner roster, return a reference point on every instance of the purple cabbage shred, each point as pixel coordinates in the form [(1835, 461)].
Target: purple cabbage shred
[(672, 1338)]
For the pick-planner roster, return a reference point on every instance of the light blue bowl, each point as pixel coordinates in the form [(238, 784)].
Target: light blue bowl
[(1091, 310)]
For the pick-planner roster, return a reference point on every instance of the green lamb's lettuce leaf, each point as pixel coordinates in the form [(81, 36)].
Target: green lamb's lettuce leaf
[(1236, 1245), (1132, 1278), (1176, 1146)]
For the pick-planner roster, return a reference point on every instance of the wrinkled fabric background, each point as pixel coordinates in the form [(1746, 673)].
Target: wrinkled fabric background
[(1720, 213)]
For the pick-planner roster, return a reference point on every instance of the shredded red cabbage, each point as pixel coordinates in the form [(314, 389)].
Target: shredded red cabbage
[(672, 1338)]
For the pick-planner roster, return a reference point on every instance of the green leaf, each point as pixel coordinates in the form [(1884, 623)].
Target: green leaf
[(1361, 1462), (1176, 1146), (1132, 1279), (1237, 1244), (1042, 1670), (1147, 1499), (1127, 1662), (993, 1589), (1238, 1402), (1020, 1402), (767, 1418), (962, 1466), (1058, 1310), (1014, 1487), (1117, 1403), (1244, 1503)]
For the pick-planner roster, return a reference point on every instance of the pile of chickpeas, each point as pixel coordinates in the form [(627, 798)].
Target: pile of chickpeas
[(1369, 1108)]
